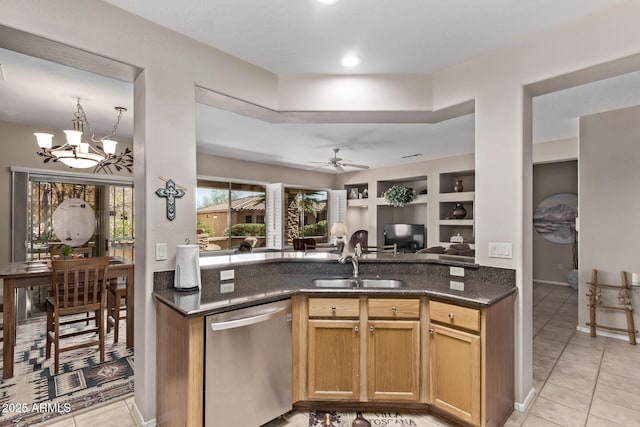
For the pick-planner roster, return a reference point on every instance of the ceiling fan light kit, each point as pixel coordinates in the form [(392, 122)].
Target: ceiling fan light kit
[(78, 152)]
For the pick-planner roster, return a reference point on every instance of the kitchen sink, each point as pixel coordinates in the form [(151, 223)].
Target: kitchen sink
[(382, 283), (349, 282), (335, 282)]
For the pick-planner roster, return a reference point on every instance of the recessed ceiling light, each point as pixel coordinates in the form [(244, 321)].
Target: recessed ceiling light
[(350, 61), (328, 1)]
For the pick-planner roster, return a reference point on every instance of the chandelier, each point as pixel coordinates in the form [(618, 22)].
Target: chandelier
[(82, 150)]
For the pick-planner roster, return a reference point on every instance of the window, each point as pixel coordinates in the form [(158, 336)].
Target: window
[(259, 219), (225, 213), (306, 214), (114, 202)]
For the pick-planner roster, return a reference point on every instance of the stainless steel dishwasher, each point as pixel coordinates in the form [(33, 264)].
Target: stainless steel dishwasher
[(248, 365)]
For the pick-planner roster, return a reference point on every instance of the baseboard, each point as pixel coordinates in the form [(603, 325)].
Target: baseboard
[(586, 329), (139, 419), (522, 407), (549, 282)]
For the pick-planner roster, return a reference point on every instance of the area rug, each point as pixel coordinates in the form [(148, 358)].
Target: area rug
[(35, 395), (344, 419)]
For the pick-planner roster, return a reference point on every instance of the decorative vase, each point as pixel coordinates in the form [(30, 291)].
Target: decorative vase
[(458, 187), (459, 211), (360, 421)]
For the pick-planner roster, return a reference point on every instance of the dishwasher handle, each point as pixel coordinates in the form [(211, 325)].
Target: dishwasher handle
[(251, 320)]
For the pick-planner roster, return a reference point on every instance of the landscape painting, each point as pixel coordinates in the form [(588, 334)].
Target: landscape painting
[(555, 217)]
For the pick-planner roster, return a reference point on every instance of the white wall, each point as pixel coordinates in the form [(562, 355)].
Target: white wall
[(608, 207), (165, 124)]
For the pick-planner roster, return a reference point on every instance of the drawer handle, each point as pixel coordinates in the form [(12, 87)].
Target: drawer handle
[(356, 329), (372, 328), (393, 309), (431, 331), (333, 308), (451, 316)]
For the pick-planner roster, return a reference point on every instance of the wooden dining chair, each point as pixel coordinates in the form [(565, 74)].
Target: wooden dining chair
[(116, 303), (79, 286)]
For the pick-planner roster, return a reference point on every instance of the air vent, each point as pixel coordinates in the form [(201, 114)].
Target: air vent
[(412, 155)]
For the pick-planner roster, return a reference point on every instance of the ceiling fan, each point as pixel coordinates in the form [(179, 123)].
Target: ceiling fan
[(337, 163)]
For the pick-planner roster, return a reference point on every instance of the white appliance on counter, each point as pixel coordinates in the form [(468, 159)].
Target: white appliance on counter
[(248, 365)]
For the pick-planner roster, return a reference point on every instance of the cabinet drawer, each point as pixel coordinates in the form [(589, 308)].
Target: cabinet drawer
[(394, 308), (463, 317), (334, 307)]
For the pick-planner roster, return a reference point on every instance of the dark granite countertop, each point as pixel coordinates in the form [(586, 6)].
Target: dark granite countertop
[(260, 281)]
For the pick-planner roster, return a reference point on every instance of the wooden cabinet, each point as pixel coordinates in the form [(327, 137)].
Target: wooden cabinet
[(393, 360), (357, 349), (334, 359), (471, 361), (454, 361)]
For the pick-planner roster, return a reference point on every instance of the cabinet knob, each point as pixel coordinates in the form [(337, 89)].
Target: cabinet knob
[(393, 309), (333, 308), (372, 328), (451, 316), (431, 331), (356, 329)]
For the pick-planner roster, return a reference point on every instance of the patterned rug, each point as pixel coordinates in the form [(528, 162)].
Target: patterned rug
[(35, 395), (344, 419)]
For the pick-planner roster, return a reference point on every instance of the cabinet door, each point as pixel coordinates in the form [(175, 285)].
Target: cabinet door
[(393, 360), (334, 359), (455, 372)]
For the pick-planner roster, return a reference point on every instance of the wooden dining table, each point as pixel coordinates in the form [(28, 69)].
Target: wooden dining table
[(17, 275)]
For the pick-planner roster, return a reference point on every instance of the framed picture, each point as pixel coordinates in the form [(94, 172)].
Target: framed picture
[(353, 193), (555, 217)]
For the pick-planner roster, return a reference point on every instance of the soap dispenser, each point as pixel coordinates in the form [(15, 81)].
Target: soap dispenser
[(360, 421)]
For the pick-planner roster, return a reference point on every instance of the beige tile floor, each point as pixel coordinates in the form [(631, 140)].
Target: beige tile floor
[(580, 381)]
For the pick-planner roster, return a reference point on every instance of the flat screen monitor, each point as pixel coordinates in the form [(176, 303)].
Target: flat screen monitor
[(408, 237)]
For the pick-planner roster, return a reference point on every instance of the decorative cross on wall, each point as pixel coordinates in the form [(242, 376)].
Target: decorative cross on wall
[(171, 193)]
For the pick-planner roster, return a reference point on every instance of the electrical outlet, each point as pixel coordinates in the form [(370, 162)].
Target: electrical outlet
[(161, 251), (227, 287), (455, 285), (227, 275), (456, 271), (560, 266)]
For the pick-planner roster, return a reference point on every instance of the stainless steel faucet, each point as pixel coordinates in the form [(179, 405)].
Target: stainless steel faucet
[(353, 257)]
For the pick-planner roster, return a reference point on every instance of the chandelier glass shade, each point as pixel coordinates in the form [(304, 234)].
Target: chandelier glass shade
[(82, 150)]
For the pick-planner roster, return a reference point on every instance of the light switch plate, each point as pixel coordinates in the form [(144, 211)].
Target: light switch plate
[(226, 287), (227, 274), (161, 251), (500, 250), (456, 271)]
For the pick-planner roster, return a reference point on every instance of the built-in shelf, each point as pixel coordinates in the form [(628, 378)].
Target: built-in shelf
[(449, 198), (357, 191), (465, 196), (448, 181), (457, 222), (358, 203)]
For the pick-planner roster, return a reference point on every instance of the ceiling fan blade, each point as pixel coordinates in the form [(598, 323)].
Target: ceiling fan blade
[(324, 165), (352, 165), (339, 168)]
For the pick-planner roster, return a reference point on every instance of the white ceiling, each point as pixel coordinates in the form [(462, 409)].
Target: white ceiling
[(399, 36)]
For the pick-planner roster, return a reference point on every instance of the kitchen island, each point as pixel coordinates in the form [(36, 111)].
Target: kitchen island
[(437, 316)]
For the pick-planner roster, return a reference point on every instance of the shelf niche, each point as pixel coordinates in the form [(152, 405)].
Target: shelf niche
[(417, 183), (448, 181)]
